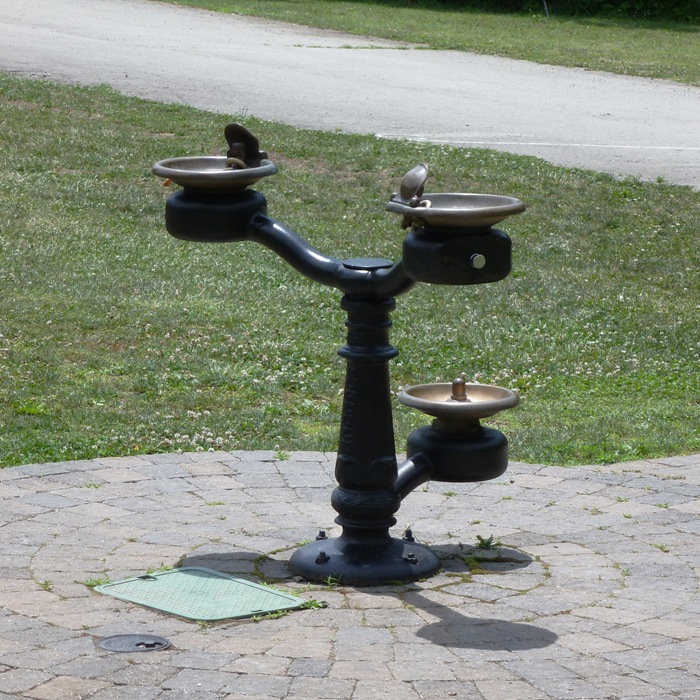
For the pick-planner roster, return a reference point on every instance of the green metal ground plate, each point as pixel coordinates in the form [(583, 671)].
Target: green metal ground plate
[(201, 594)]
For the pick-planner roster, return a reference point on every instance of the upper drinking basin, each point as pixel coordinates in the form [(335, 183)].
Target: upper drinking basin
[(217, 173), (456, 210), (447, 209)]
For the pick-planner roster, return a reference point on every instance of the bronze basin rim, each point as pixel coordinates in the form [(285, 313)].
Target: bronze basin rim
[(483, 400), (211, 172), (454, 209)]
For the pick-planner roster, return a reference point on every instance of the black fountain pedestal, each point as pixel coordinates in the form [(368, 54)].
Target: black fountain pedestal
[(451, 241), (366, 470)]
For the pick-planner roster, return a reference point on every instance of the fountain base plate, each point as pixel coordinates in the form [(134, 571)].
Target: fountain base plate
[(343, 560)]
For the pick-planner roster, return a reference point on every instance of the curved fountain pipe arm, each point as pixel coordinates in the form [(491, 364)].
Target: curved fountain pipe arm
[(292, 248), (332, 272)]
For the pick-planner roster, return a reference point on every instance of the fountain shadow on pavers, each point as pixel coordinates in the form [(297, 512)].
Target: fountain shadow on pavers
[(453, 628), (458, 631)]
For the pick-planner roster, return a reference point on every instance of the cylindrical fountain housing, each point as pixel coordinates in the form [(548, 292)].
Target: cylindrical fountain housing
[(212, 217), (460, 457), (457, 256)]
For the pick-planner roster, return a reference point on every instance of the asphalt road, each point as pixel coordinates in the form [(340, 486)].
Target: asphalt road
[(328, 80)]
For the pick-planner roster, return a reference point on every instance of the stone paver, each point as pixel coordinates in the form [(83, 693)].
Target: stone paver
[(593, 594)]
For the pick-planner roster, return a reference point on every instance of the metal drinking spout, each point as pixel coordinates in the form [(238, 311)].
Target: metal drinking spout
[(459, 390), (411, 191), (243, 147)]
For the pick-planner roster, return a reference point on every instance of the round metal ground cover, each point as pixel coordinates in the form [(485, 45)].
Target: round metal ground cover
[(133, 642)]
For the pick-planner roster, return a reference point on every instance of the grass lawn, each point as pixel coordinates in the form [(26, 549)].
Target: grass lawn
[(117, 339), (649, 49)]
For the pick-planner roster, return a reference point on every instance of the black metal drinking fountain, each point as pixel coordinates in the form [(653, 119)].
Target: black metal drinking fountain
[(451, 241)]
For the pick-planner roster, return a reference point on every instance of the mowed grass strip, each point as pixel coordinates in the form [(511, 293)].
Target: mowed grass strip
[(117, 339)]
